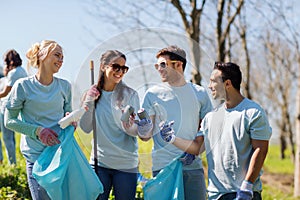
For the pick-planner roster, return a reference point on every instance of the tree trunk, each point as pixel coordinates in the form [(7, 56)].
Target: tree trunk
[(297, 157)]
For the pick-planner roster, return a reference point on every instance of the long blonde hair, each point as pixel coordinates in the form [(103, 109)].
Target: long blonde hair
[(39, 52)]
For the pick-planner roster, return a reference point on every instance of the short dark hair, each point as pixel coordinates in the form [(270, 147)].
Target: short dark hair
[(174, 53), (12, 58), (230, 71)]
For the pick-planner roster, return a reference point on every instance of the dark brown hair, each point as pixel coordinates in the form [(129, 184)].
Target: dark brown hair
[(107, 58), (12, 58), (174, 53)]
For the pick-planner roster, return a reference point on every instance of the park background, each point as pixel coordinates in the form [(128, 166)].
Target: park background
[(262, 36)]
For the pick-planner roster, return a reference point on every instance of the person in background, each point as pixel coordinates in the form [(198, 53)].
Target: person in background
[(236, 136), (184, 104), (116, 140), (12, 71), (35, 106)]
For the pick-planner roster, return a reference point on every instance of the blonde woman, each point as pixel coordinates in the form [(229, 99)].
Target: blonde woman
[(41, 101)]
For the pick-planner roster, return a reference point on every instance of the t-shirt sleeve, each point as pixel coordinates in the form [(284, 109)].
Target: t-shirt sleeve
[(17, 97), (68, 98), (259, 126)]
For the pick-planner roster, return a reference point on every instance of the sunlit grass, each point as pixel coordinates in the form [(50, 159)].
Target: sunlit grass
[(274, 163)]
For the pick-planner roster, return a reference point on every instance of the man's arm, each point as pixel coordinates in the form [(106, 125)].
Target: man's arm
[(257, 159), (189, 146)]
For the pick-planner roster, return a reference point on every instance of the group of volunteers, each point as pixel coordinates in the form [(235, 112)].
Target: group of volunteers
[(182, 123)]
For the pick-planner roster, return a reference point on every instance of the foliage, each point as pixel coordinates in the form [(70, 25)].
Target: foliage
[(13, 179)]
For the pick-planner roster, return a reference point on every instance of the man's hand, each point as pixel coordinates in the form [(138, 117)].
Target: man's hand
[(47, 136), (245, 192), (167, 132), (187, 158)]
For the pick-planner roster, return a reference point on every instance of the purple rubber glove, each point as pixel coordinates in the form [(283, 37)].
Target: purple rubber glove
[(92, 94), (48, 136)]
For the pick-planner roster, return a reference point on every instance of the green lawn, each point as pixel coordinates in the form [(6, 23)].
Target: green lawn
[(13, 183)]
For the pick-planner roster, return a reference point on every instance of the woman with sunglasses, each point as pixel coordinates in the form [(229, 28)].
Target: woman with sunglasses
[(116, 140)]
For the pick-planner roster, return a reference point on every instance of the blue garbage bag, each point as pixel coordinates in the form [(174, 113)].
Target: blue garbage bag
[(167, 185), (64, 171)]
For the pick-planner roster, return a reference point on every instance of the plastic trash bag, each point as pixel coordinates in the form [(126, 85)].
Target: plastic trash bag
[(167, 185), (64, 171)]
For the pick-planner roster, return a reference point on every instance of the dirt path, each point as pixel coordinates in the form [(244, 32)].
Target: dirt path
[(283, 182)]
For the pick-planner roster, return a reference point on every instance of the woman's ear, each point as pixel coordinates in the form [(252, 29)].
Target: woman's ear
[(102, 67)]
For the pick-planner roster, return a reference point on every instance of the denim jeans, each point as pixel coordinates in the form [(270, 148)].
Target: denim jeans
[(9, 141), (37, 192), (194, 184), (123, 183)]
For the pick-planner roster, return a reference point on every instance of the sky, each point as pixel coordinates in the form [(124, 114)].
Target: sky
[(25, 22)]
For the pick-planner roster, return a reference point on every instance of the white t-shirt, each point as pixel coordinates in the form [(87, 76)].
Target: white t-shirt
[(186, 105), (227, 135)]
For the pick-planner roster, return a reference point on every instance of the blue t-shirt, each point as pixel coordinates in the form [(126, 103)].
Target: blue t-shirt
[(186, 105), (115, 148), (12, 76), (227, 136), (38, 105)]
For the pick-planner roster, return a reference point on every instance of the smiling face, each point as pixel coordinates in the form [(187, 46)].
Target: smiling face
[(217, 86), (53, 61), (111, 76), (167, 69)]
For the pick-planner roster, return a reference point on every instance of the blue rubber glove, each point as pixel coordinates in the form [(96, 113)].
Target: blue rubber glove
[(167, 132), (187, 158), (144, 127), (243, 195), (245, 192)]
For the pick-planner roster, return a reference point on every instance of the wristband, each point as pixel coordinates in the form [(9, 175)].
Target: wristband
[(173, 137), (246, 185)]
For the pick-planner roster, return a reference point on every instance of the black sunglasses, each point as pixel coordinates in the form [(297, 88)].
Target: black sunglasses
[(117, 68)]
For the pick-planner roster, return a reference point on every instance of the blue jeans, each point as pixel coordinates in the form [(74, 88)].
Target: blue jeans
[(194, 184), (9, 140), (123, 183), (37, 192)]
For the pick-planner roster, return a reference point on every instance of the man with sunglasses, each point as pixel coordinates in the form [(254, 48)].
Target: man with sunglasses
[(236, 136), (183, 105)]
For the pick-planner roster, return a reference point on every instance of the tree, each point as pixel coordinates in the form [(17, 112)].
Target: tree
[(192, 28)]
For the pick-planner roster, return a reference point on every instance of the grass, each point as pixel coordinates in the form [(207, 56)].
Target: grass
[(13, 181)]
